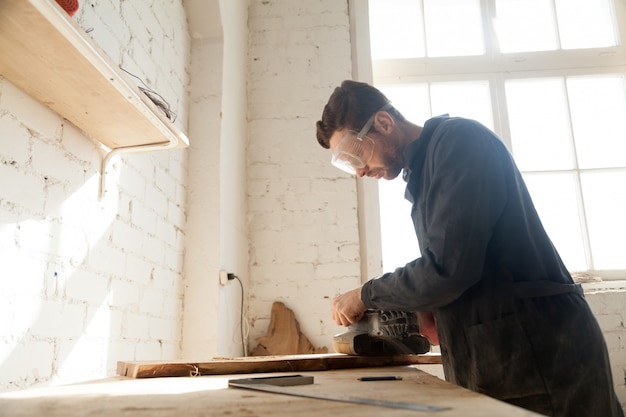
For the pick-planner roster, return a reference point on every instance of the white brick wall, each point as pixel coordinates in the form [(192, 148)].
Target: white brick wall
[(302, 214), (608, 302), (87, 282)]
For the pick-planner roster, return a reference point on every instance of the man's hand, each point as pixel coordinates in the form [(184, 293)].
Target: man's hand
[(348, 307), (427, 326)]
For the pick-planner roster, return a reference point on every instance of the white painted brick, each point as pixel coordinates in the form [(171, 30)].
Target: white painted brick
[(100, 261), (618, 363), (157, 201), (119, 350), (85, 217), (138, 269), (169, 350), (127, 237), (154, 250), (297, 252), (124, 295), (70, 243), (169, 231), (15, 140), (87, 287), (21, 189), (53, 163), (142, 65), (165, 182), (162, 329), (141, 31), (265, 203), (6, 317), (172, 305), (80, 358), (615, 340), (99, 323), (177, 165), (59, 225), (149, 351), (136, 326), (35, 235), (151, 301), (57, 319), (36, 116), (134, 186), (17, 315), (610, 321), (165, 278), (24, 364), (109, 31), (291, 220), (174, 258), (117, 322), (143, 217)]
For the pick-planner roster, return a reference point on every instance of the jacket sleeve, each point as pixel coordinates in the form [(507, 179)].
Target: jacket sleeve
[(463, 196)]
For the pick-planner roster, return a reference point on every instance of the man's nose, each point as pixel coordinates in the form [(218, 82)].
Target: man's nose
[(360, 172)]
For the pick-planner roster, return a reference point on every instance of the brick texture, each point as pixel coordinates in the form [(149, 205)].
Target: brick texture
[(87, 282), (303, 224)]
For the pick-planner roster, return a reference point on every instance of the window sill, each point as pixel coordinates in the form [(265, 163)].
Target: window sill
[(604, 286)]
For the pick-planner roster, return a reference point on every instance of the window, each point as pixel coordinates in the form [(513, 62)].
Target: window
[(548, 76)]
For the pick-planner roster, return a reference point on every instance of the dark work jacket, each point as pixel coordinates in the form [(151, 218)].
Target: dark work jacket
[(511, 323)]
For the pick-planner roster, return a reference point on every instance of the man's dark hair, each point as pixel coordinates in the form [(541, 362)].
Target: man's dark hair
[(349, 106)]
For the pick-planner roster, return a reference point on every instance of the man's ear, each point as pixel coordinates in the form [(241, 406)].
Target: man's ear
[(383, 122)]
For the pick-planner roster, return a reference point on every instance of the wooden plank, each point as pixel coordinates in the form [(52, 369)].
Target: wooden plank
[(47, 55), (255, 364), (209, 396)]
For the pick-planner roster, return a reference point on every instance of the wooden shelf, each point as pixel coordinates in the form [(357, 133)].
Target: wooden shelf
[(47, 55)]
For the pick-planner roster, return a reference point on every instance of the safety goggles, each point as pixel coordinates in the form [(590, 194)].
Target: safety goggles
[(354, 150)]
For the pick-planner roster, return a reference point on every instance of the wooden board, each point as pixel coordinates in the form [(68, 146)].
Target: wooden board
[(209, 396), (47, 55), (282, 363)]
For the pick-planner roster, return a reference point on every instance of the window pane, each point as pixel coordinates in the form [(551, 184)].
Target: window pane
[(525, 25), (554, 196), (598, 107), (453, 27), (468, 99), (396, 29), (412, 100), (605, 205), (397, 232), (585, 23), (540, 131)]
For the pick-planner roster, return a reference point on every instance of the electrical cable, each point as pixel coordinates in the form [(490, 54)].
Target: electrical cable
[(243, 340), (155, 97)]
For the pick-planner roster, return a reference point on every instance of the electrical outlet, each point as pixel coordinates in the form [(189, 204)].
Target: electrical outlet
[(223, 277)]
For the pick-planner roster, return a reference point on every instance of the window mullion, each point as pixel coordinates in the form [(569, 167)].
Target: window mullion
[(424, 34), (488, 8), (555, 20), (582, 214), (500, 110)]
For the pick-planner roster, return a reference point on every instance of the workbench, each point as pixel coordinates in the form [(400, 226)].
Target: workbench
[(210, 396)]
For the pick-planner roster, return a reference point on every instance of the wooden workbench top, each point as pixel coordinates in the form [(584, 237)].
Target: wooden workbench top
[(210, 396)]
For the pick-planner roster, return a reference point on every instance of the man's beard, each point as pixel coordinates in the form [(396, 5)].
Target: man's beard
[(393, 158)]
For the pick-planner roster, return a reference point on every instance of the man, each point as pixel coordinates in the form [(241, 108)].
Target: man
[(510, 321)]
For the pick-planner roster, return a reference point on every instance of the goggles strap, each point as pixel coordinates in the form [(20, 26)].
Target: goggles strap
[(370, 121)]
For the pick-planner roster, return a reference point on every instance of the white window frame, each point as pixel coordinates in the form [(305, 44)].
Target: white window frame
[(494, 67)]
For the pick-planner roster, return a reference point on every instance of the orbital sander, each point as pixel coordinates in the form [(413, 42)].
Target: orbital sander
[(383, 332)]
